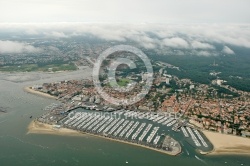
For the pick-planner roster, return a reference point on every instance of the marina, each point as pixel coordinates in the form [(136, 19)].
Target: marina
[(134, 136), (148, 129), (197, 143), (200, 137), (184, 132), (131, 130)]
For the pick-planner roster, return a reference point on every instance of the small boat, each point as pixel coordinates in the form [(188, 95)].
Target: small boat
[(31, 116)]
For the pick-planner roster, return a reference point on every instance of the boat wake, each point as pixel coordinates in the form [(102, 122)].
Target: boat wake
[(25, 142), (200, 159), (187, 152), (3, 121)]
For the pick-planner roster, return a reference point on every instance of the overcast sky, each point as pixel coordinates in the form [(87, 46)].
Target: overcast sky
[(126, 11), (191, 25)]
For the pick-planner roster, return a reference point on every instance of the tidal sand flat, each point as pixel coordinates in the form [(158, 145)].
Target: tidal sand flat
[(30, 90), (36, 127)]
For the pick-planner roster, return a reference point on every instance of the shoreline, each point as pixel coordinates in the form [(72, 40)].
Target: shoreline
[(224, 144), (38, 93), (36, 127), (133, 144)]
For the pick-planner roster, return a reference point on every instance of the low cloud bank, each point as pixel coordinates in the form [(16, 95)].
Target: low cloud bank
[(17, 47), (199, 39)]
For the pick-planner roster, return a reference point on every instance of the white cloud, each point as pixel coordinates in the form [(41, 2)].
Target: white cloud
[(16, 47), (201, 45), (203, 53), (145, 41), (56, 34), (175, 42), (227, 50), (199, 37)]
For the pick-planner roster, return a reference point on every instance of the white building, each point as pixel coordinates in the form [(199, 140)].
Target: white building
[(191, 87), (167, 81)]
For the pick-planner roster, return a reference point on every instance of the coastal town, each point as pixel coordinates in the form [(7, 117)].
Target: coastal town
[(202, 105), (174, 108)]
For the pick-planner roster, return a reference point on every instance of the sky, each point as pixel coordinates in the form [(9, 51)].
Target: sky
[(182, 26), (125, 11)]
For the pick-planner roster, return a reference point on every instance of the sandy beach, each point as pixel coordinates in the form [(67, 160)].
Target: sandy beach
[(36, 127), (30, 90), (228, 144)]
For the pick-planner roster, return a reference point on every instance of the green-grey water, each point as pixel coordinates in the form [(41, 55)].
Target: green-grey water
[(19, 148)]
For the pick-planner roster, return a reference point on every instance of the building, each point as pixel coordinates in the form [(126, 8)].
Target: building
[(167, 81)]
